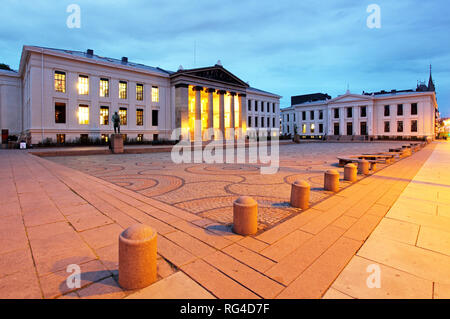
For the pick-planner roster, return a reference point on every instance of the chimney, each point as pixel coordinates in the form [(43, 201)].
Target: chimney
[(124, 59), (90, 52)]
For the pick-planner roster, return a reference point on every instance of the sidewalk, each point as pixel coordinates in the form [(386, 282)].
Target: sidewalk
[(53, 216), (412, 242)]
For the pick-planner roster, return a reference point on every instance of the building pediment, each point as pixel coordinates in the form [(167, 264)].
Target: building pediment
[(349, 97), (215, 73)]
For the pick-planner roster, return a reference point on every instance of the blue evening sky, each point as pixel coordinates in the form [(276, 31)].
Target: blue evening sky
[(285, 47)]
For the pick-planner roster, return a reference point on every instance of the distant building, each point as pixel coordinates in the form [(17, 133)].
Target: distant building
[(65, 95), (379, 115)]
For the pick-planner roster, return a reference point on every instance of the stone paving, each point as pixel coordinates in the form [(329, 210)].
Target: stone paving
[(53, 216), (209, 190)]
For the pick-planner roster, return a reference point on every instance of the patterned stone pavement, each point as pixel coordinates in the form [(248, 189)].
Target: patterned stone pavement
[(209, 190)]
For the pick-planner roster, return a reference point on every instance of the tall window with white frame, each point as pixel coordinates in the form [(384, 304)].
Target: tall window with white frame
[(123, 115), (83, 85), (104, 87), (155, 94), (83, 114), (139, 117), (139, 92), (60, 81), (123, 90), (104, 115)]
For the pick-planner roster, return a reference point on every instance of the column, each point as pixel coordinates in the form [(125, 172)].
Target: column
[(369, 122), (210, 107), (232, 115), (329, 129), (222, 112), (243, 112), (182, 107), (355, 114), (342, 126), (198, 113)]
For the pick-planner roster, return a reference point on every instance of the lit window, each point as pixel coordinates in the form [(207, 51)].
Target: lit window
[(83, 85), (83, 114), (104, 115), (122, 90), (139, 117), (60, 81), (139, 92), (123, 116), (60, 138), (155, 94), (105, 138), (140, 138), (104, 87), (312, 128), (304, 128)]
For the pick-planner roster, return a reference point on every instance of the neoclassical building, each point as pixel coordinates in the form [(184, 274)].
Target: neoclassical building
[(65, 95), (379, 115)]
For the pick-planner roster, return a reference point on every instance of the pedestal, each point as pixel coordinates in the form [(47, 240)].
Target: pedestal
[(117, 143)]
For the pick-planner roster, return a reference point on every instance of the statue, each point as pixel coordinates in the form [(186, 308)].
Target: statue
[(116, 121)]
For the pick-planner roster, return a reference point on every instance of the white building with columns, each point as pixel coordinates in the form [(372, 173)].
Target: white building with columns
[(380, 115), (64, 95)]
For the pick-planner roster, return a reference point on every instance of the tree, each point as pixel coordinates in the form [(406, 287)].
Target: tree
[(4, 66)]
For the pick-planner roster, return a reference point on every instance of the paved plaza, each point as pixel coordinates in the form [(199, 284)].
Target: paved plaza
[(59, 211), (209, 190)]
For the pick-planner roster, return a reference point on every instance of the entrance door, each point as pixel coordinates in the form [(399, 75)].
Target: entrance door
[(363, 128), (5, 134), (336, 128)]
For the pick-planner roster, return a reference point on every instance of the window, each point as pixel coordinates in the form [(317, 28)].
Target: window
[(349, 112), (312, 128), (60, 138), (414, 126), (387, 110), (294, 117), (249, 105), (140, 138), (123, 115), (349, 128), (60, 113), (268, 122), (414, 109), (256, 108), (262, 106), (303, 116), (83, 85), (262, 121), (249, 121), (387, 127), (320, 116), (155, 94), (104, 115), (104, 87), (139, 117), (273, 107), (139, 92), (155, 137), (104, 138), (336, 114), (288, 117), (320, 128), (155, 117), (303, 128), (122, 90), (273, 122), (256, 121), (311, 115), (363, 111), (400, 126), (83, 114), (60, 81), (400, 110)]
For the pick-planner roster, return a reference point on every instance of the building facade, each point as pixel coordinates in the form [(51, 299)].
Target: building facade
[(65, 95), (379, 115)]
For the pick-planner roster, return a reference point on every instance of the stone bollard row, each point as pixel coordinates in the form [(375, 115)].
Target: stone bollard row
[(331, 180), (137, 257), (300, 191)]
